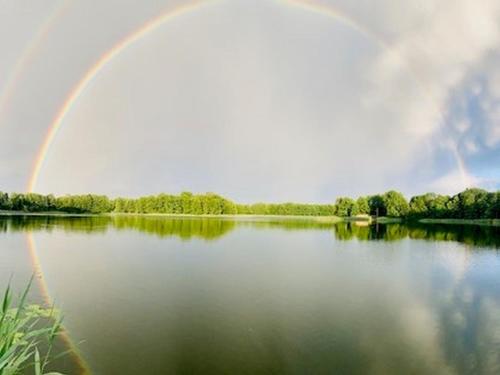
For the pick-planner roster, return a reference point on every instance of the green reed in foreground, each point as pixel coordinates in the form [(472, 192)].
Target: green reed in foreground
[(24, 330)]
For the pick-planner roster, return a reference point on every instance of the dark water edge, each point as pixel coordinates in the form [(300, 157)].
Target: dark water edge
[(210, 228)]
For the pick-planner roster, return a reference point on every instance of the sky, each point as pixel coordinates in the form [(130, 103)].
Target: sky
[(257, 100)]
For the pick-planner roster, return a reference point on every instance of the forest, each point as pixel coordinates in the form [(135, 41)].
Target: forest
[(472, 203)]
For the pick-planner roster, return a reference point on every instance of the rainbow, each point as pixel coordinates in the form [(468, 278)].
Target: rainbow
[(83, 367), (76, 92), (29, 53), (56, 124), (329, 11), (155, 23), (96, 68)]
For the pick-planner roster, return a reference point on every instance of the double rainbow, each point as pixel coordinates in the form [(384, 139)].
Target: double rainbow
[(155, 23), (150, 26), (29, 53)]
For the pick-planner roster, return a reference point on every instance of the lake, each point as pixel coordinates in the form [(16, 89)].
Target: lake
[(162, 295)]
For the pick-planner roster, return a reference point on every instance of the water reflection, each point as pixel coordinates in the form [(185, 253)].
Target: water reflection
[(271, 296), (213, 228), (85, 224), (204, 228), (474, 235)]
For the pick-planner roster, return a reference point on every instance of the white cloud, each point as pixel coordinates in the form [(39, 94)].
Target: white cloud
[(463, 125), (471, 147), (453, 182), (494, 81), (440, 52), (493, 131)]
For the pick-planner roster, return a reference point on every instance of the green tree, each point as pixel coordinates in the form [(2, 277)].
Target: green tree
[(395, 204), (345, 206), (4, 201), (377, 205), (363, 205), (473, 203)]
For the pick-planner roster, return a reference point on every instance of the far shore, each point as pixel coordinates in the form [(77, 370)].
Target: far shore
[(320, 219)]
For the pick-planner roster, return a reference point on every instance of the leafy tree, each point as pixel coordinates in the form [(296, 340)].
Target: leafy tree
[(345, 206), (493, 211), (438, 206), (453, 207), (363, 205), (473, 203), (4, 201), (419, 206), (377, 205), (395, 204), (428, 205), (469, 204)]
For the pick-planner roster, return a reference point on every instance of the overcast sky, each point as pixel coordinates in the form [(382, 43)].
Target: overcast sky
[(257, 100)]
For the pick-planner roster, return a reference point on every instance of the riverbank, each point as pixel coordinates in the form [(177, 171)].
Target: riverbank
[(319, 219), (49, 213)]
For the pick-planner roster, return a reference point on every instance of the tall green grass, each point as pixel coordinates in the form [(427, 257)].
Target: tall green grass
[(27, 335)]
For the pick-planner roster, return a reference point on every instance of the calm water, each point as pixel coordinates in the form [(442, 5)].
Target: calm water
[(146, 295)]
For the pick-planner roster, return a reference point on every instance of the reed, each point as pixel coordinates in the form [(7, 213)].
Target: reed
[(27, 334)]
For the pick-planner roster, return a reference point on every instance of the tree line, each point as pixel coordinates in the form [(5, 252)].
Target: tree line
[(31, 202), (470, 204)]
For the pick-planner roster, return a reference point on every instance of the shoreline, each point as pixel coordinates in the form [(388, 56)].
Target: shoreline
[(50, 213), (247, 217), (324, 219)]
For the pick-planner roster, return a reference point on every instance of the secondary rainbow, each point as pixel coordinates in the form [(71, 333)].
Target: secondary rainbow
[(169, 14), (28, 54), (329, 11)]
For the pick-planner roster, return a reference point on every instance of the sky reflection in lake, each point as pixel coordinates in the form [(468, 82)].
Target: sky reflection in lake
[(221, 296)]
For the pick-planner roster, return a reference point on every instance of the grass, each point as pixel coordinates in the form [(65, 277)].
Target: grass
[(359, 218), (24, 330), (230, 216), (47, 213), (388, 220)]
